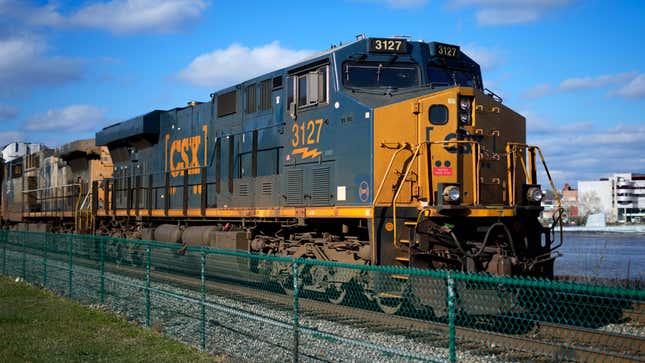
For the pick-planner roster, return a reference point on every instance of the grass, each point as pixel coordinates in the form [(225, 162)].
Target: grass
[(38, 326)]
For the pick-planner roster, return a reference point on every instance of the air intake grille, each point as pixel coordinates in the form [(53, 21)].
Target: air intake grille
[(320, 186), (243, 190), (295, 187), (266, 188)]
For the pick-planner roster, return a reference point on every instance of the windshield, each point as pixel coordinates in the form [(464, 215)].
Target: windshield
[(380, 75), (451, 77)]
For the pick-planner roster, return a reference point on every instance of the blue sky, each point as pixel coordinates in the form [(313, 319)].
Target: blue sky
[(575, 69)]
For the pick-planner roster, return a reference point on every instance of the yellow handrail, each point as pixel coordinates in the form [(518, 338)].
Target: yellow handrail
[(476, 167)]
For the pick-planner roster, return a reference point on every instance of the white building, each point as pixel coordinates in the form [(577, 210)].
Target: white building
[(17, 149), (630, 197), (621, 197)]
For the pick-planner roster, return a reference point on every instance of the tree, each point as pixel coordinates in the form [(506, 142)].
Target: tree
[(589, 203)]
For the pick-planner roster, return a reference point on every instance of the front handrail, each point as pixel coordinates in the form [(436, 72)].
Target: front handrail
[(402, 147), (512, 151), (476, 171)]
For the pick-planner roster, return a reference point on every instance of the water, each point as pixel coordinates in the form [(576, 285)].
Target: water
[(604, 255)]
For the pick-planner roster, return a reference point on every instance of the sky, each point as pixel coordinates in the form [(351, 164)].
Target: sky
[(575, 69)]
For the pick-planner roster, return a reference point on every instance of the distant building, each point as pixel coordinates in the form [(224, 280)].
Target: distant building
[(630, 197), (17, 149), (620, 197), (569, 200)]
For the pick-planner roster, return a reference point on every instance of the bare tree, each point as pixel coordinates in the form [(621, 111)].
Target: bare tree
[(589, 203)]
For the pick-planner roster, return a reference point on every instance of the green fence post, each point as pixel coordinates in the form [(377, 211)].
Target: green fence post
[(450, 284), (102, 272), (296, 323), (203, 302), (148, 286), (24, 256), (45, 261), (71, 267), (4, 255)]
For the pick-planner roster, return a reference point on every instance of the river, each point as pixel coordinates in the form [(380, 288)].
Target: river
[(603, 255)]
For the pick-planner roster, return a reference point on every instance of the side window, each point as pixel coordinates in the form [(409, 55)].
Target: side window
[(16, 170), (302, 91), (309, 88), (438, 114)]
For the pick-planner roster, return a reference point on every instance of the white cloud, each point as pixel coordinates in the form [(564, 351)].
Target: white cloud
[(506, 12), (7, 112), (115, 16), (573, 84), (7, 137), (633, 89), (397, 4), (24, 62), (71, 118), (488, 58), (538, 91), (625, 84), (401, 4), (580, 151), (237, 63), (131, 16)]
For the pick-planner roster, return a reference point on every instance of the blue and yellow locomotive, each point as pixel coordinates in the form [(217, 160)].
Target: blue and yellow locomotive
[(381, 151)]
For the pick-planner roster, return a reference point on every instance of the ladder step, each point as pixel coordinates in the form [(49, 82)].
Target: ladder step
[(403, 259), (404, 241), (410, 223)]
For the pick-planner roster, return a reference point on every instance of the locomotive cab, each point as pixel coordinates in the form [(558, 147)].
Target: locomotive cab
[(456, 183)]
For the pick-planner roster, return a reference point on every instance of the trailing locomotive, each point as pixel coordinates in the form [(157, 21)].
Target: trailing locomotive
[(383, 151)]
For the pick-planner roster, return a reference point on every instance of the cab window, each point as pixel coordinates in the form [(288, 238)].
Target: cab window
[(440, 76), (380, 75), (309, 88)]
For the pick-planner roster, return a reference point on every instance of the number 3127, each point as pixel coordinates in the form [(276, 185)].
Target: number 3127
[(306, 133)]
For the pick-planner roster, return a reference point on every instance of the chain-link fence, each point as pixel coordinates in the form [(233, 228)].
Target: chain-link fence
[(270, 308)]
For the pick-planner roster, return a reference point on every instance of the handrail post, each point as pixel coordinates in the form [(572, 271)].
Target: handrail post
[(450, 285), (203, 300), (296, 322), (102, 272), (147, 286)]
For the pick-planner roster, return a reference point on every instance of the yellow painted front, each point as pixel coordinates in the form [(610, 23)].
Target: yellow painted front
[(406, 125)]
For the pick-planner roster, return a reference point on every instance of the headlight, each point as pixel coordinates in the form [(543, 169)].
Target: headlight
[(451, 193), (534, 194), (464, 104)]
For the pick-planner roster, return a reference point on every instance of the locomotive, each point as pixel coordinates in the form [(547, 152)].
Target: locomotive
[(381, 151)]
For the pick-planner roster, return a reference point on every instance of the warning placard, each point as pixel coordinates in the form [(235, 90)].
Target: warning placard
[(442, 171)]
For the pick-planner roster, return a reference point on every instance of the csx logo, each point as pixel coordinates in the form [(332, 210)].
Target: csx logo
[(183, 154), (461, 148)]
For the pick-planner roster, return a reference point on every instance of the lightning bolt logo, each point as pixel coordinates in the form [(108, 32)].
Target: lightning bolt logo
[(305, 153)]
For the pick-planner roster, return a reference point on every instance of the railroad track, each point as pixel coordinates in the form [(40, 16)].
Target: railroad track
[(551, 341), (557, 342)]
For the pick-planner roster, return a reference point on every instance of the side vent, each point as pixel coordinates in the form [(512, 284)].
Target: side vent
[(320, 194), (266, 188), (295, 187), (243, 189)]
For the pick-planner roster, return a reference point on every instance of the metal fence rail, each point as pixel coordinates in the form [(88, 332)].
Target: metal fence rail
[(271, 308)]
